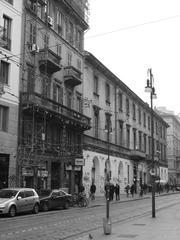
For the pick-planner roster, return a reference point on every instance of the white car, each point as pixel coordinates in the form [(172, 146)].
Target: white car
[(16, 200)]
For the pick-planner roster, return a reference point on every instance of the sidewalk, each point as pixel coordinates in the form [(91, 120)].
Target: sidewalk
[(165, 226), (100, 201)]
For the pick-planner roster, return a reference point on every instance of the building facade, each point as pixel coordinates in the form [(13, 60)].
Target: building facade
[(126, 148), (52, 122), (10, 40), (173, 144)]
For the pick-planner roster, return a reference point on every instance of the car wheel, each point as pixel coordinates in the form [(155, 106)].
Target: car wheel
[(36, 208), (45, 207), (12, 211), (66, 205)]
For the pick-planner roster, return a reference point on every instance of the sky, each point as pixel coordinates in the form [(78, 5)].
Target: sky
[(131, 36)]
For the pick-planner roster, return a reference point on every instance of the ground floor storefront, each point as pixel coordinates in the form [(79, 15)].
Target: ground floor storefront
[(122, 171), (52, 173)]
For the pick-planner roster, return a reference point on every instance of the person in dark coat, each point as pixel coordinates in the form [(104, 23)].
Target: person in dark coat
[(111, 191), (92, 191), (117, 191), (127, 188), (132, 190)]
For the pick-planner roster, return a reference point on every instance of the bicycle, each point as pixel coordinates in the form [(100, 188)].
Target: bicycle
[(80, 200)]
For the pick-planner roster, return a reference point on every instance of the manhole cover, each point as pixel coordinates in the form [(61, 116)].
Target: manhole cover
[(127, 235), (139, 224)]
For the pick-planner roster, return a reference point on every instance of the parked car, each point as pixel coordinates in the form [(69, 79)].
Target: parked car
[(54, 199), (16, 200)]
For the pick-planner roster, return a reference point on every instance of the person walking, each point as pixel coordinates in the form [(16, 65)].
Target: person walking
[(132, 190), (117, 191), (92, 191), (127, 190)]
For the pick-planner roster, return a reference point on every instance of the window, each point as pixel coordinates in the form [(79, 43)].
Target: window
[(71, 33), (139, 115), (79, 64), (28, 194), (46, 87), (145, 143), (96, 122), (57, 93), (4, 72), (69, 99), (30, 78), (69, 59), (3, 118), (79, 103), (7, 32), (78, 41), (127, 106), (144, 119), (120, 99), (128, 136), (107, 91), (121, 133), (134, 138), (32, 36), (140, 140), (60, 23), (108, 125), (58, 49), (46, 41), (134, 111), (149, 123), (96, 84)]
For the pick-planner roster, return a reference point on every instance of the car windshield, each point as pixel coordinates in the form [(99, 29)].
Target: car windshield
[(7, 193)]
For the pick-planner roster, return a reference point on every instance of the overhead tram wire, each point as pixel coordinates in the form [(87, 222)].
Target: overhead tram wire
[(134, 26)]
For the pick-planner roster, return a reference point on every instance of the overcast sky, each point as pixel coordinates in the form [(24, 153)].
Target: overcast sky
[(130, 36)]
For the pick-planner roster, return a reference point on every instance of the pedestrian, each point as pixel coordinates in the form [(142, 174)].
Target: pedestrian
[(112, 188), (132, 190), (141, 190), (117, 191), (127, 190), (92, 191)]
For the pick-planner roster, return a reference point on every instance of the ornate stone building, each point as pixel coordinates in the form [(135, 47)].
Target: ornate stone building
[(125, 149), (51, 113)]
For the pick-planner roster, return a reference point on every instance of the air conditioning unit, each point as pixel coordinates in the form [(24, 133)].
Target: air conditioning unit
[(50, 21), (34, 48)]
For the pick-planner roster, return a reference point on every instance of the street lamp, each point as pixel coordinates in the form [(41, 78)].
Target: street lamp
[(107, 220), (150, 88)]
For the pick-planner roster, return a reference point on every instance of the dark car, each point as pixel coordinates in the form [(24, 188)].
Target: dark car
[(54, 199)]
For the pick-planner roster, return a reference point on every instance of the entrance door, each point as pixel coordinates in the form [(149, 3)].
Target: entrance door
[(4, 170)]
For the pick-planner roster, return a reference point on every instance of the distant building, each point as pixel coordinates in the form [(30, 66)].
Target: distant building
[(173, 144), (113, 106), (10, 42)]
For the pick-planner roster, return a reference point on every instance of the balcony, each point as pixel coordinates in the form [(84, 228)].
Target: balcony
[(72, 76), (70, 116), (49, 62), (136, 154)]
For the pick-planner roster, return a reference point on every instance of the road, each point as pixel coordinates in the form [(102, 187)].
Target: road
[(72, 223)]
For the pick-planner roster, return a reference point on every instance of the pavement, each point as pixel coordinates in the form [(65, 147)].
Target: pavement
[(166, 225)]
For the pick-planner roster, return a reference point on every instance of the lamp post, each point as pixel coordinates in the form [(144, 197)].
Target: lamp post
[(150, 88), (107, 220)]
